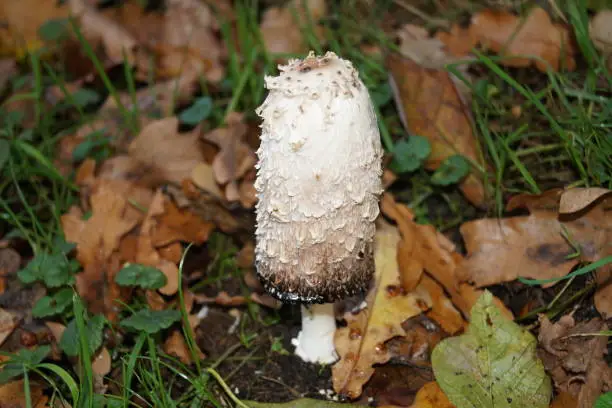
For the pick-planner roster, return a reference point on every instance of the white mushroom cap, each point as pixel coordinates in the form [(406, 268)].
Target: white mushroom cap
[(318, 182)]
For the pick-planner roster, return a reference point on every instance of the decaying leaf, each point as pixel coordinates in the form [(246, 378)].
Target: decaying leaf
[(517, 38), (176, 224), (235, 157), (21, 21), (574, 355), (96, 239), (361, 344), (431, 106), (301, 403), (13, 395), (431, 396), (172, 154), (542, 245), (8, 323), (494, 364), (282, 28), (176, 345)]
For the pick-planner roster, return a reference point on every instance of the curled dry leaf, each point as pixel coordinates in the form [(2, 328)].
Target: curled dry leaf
[(431, 106), (431, 396), (361, 344), (281, 28), (235, 156), (575, 357), (515, 37), (203, 176), (423, 249), (541, 245)]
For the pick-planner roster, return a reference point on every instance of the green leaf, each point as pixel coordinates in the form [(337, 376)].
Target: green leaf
[(151, 321), (52, 269), (23, 359), (92, 144), (4, 152), (493, 365), (604, 401), (84, 97), (93, 334), (146, 277), (54, 29), (196, 113), (301, 403), (451, 171), (52, 305), (409, 155), (381, 95)]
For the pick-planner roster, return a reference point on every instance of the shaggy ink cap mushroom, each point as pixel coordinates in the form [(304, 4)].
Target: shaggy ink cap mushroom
[(318, 182)]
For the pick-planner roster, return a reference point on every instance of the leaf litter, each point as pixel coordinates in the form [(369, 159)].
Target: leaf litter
[(178, 181)]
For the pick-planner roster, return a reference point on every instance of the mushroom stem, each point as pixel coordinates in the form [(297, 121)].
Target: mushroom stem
[(315, 342)]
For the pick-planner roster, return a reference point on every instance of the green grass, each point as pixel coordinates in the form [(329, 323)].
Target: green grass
[(565, 125)]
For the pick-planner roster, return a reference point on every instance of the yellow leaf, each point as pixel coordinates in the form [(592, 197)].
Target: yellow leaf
[(361, 344)]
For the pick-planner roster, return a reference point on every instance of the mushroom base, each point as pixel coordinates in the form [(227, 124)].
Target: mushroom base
[(348, 277)]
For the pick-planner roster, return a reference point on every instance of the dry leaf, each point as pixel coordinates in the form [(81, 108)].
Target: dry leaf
[(12, 395), (282, 31), (176, 224), (97, 28), (173, 155), (21, 21), (96, 239), (235, 157), (459, 41), (575, 357), (8, 323), (431, 396), (541, 245), (361, 344), (419, 47), (515, 37), (564, 400), (147, 254), (431, 106), (175, 345), (202, 176)]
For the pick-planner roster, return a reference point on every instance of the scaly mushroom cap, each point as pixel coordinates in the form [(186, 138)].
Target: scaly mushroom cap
[(318, 182)]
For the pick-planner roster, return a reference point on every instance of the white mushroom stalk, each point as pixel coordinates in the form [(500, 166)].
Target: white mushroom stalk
[(318, 185)]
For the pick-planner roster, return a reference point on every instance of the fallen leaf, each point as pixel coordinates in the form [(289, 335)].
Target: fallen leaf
[(160, 146), (542, 245), (601, 34), (13, 395), (361, 344), (147, 254), (98, 29), (282, 27), (301, 403), (431, 396), (202, 176), (442, 309), (21, 21), (8, 323), (175, 345), (222, 298), (516, 38), (176, 224), (96, 239), (577, 199), (235, 157), (493, 363), (459, 41), (10, 261), (419, 47), (574, 354), (431, 106), (564, 400)]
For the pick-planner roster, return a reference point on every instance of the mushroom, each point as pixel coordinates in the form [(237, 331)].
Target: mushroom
[(318, 185)]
